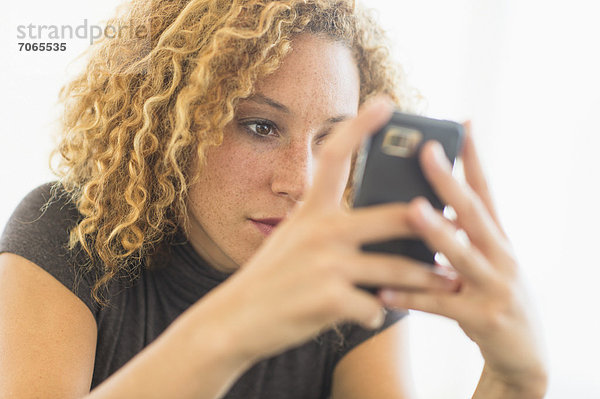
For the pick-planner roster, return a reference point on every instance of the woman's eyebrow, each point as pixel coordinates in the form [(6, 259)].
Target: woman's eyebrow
[(340, 118), (262, 99)]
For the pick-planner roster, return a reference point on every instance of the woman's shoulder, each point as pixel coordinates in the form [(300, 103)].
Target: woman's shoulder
[(44, 216), (38, 230)]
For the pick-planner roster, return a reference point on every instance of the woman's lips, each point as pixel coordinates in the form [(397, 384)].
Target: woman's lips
[(265, 228)]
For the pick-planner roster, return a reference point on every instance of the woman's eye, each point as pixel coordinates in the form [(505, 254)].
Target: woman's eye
[(260, 128), (322, 138)]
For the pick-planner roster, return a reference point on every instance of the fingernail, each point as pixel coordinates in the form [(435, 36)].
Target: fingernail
[(378, 320), (439, 156), (387, 295), (427, 213), (389, 104), (382, 101)]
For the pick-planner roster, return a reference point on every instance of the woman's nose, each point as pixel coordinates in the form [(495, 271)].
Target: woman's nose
[(293, 171)]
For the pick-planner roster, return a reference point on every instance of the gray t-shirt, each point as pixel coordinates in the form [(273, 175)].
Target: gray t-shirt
[(141, 310)]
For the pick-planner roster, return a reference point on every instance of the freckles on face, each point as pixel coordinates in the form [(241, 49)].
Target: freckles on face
[(219, 199), (264, 165), (223, 198), (232, 169)]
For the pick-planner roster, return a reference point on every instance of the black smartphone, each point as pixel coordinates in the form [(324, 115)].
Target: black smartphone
[(387, 170)]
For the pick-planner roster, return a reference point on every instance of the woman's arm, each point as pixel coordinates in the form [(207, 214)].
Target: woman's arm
[(377, 368), (495, 386), (47, 334)]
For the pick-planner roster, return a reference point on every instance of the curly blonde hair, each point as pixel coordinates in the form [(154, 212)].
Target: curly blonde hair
[(148, 106)]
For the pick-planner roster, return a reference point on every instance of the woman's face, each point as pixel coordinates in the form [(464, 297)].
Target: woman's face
[(270, 150)]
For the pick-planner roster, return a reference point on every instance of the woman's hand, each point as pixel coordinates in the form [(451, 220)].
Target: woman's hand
[(491, 305), (303, 279)]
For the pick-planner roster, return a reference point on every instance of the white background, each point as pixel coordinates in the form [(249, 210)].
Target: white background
[(526, 72)]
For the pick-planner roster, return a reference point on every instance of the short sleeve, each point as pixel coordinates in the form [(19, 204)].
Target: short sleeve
[(355, 334), (38, 230)]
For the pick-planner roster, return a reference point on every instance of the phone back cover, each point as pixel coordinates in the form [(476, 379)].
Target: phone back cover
[(381, 178)]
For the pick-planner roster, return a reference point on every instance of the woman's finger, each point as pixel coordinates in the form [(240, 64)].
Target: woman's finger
[(364, 309), (386, 270), (441, 236), (474, 175), (376, 223), (446, 304), (472, 215), (334, 161)]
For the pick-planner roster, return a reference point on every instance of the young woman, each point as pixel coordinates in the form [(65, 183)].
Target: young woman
[(199, 242)]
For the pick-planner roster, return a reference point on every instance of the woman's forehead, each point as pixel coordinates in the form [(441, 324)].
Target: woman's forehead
[(317, 70)]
